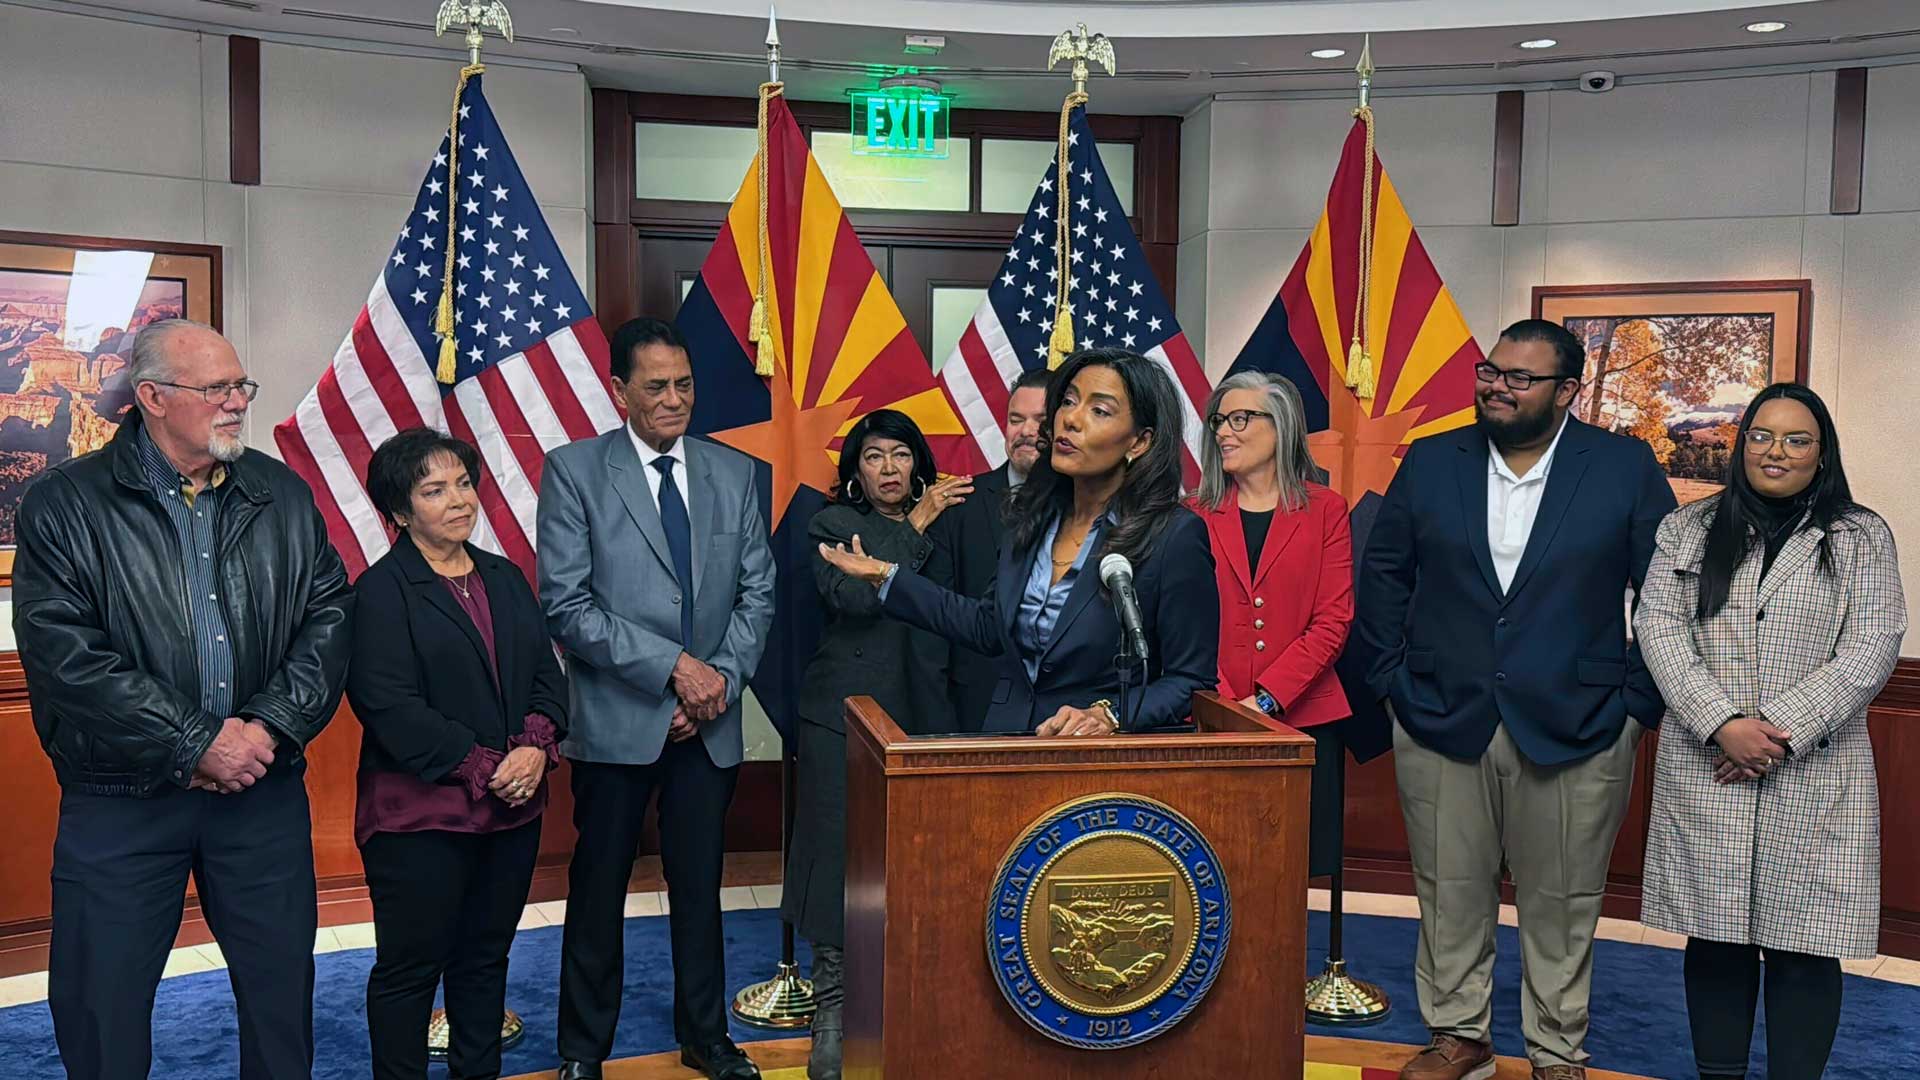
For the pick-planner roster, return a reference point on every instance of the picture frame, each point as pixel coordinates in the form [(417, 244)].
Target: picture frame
[(69, 307), (1676, 363)]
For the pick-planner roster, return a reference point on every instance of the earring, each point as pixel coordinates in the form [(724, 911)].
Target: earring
[(1129, 461), (853, 493), (922, 492)]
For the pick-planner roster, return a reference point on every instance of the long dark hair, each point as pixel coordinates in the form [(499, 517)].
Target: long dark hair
[(1735, 530), (1148, 496), (883, 424)]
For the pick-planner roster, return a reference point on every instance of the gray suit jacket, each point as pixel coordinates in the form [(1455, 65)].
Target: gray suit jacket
[(613, 603)]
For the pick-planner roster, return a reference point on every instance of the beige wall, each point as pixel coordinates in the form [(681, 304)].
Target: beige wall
[(1716, 179)]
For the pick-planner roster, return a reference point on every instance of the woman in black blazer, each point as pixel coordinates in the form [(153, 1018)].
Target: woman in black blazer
[(890, 495), (463, 705), (1109, 484)]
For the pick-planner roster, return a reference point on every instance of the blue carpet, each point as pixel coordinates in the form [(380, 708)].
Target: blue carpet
[(1639, 1021)]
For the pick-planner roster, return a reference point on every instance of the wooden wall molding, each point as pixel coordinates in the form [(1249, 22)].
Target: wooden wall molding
[(1509, 132), (1849, 138), (243, 109)]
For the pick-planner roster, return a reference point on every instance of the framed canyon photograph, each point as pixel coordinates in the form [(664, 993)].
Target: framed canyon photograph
[(1675, 364), (69, 309)]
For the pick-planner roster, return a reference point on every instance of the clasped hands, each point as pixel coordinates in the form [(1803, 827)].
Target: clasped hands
[(1750, 747), (238, 756), (703, 696), (517, 778)]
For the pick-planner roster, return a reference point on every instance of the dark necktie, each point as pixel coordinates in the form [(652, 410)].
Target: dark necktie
[(673, 520)]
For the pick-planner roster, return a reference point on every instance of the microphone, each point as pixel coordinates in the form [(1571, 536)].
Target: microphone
[(1117, 574)]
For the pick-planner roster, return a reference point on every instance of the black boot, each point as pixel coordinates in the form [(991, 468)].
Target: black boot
[(823, 1060)]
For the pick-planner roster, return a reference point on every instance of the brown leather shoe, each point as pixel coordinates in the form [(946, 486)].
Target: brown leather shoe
[(1559, 1072), (1450, 1057)]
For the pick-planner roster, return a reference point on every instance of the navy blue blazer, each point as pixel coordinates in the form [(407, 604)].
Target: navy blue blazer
[(1550, 657), (1178, 603)]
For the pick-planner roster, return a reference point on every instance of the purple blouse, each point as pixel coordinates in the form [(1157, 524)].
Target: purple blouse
[(461, 803)]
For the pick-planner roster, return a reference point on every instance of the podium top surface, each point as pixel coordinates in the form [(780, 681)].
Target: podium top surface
[(1225, 735)]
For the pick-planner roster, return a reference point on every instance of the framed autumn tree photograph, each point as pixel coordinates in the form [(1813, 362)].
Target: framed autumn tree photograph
[(1676, 364)]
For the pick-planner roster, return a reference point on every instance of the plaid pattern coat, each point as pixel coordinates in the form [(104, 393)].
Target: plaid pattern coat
[(1790, 861)]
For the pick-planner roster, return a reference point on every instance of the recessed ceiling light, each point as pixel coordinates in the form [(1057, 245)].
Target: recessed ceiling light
[(1766, 27), (1539, 43), (1327, 54), (563, 31)]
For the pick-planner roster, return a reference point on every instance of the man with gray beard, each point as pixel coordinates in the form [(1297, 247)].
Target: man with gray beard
[(183, 624)]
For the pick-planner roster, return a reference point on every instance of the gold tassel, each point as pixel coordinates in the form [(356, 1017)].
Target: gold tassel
[(1360, 372), (1360, 377), (757, 330), (1060, 345), (445, 371)]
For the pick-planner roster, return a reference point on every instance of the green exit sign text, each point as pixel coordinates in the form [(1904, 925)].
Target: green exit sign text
[(900, 123)]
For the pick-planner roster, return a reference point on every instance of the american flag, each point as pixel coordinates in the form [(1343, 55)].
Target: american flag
[(531, 360), (1111, 290)]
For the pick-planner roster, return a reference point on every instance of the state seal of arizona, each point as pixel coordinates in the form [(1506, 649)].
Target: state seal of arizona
[(1108, 921)]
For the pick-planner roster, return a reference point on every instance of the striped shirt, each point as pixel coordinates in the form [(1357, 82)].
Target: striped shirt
[(195, 525)]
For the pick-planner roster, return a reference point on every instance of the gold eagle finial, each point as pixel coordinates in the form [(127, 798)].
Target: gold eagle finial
[(476, 16), (1080, 47)]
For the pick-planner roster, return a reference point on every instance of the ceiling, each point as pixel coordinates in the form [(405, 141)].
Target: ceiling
[(1172, 54)]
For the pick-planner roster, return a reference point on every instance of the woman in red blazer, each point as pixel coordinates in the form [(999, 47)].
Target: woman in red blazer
[(1283, 557)]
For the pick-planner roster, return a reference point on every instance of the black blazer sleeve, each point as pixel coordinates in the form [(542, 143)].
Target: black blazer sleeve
[(383, 684), (1184, 601), (1653, 501), (1388, 572), (548, 694), (962, 620), (836, 525)]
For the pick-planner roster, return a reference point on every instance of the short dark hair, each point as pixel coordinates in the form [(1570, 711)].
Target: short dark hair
[(637, 334), (884, 424), (1030, 379), (1566, 347), (403, 460)]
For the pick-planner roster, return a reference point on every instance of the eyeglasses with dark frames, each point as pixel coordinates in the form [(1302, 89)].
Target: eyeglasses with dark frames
[(216, 393), (1237, 419), (1760, 443), (1516, 379)]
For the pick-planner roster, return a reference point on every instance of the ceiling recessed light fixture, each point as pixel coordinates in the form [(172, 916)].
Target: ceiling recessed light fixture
[(1766, 27), (563, 31), (1327, 54), (1539, 43)]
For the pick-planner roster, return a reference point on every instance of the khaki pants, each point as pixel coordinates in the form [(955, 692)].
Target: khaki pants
[(1554, 827)]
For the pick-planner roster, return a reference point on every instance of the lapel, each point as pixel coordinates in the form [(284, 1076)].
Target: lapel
[(1231, 539), (1010, 584), (1799, 547), (1279, 533), (700, 511), (1471, 472), (1086, 585), (494, 573), (424, 581), (623, 470), (1563, 479)]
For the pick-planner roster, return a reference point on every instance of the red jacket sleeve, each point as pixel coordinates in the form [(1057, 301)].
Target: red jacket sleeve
[(1310, 655)]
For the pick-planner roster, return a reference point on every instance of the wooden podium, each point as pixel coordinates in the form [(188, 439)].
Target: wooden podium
[(928, 823)]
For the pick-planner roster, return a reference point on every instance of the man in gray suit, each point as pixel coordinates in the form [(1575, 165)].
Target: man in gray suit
[(657, 580)]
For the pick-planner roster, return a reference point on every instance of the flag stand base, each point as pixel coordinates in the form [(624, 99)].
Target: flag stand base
[(1334, 997), (512, 1030), (782, 1003)]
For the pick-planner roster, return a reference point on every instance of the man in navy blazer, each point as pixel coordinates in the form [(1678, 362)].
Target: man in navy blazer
[(1492, 600)]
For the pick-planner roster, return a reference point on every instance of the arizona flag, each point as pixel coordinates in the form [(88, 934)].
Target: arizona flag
[(1422, 354), (840, 349)]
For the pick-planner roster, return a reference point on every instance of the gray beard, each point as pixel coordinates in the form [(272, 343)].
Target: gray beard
[(226, 449)]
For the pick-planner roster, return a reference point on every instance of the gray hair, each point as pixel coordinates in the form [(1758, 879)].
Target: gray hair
[(149, 361), (1292, 461)]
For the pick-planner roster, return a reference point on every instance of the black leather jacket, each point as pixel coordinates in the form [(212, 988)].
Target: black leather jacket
[(99, 611)]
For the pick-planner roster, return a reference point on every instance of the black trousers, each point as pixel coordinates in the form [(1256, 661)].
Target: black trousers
[(609, 803), (1803, 1009), (445, 905), (120, 869)]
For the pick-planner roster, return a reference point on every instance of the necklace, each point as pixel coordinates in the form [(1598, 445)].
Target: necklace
[(466, 591)]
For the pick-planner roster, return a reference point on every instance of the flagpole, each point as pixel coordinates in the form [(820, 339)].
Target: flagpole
[(475, 17), (1080, 47), (1333, 996), (784, 1002)]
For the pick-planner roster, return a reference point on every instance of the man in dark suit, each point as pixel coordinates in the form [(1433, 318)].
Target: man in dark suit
[(1492, 604), (657, 579), (976, 532)]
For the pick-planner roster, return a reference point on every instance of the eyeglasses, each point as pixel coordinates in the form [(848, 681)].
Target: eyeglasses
[(1237, 419), (217, 393), (1760, 444), (1516, 380)]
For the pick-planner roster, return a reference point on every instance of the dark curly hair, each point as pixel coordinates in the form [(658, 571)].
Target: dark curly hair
[(883, 424)]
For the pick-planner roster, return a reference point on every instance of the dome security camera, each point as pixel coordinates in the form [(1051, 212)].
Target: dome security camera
[(1596, 82)]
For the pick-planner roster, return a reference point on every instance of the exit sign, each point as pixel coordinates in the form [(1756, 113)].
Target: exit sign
[(906, 122)]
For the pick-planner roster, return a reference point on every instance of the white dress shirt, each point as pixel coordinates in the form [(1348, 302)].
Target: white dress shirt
[(648, 455), (1512, 504)]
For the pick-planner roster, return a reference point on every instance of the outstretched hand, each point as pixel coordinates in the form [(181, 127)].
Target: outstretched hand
[(856, 563)]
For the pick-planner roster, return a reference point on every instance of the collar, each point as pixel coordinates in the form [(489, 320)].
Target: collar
[(161, 473), (648, 455), (1497, 464), (1015, 477)]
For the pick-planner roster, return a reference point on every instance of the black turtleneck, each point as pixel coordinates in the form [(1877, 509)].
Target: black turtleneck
[(1776, 519)]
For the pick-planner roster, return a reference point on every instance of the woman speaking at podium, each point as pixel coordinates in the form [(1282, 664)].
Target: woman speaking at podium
[(1108, 485)]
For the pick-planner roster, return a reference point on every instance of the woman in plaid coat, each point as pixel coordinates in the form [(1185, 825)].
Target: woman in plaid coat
[(1771, 616)]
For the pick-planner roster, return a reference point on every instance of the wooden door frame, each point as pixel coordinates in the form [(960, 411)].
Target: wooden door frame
[(620, 219)]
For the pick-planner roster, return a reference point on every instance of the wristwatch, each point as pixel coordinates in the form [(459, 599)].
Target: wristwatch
[(1266, 702), (1106, 706)]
